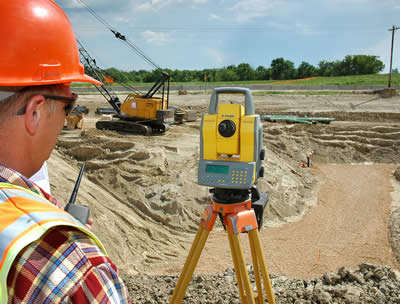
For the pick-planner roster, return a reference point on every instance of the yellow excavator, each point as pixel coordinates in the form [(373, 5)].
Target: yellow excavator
[(139, 113)]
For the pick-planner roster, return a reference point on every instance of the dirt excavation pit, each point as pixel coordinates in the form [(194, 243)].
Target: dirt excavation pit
[(146, 203)]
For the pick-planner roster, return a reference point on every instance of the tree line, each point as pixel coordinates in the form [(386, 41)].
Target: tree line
[(279, 69)]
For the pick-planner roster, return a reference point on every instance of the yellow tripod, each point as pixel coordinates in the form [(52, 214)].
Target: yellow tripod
[(237, 217)]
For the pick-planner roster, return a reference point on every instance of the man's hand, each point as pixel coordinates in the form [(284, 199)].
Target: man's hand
[(89, 224)]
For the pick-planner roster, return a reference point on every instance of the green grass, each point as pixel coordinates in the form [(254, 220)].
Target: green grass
[(262, 93), (373, 79)]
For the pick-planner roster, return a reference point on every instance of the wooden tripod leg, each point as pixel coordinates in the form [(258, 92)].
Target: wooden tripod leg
[(236, 266), (255, 238), (206, 225), (256, 267), (190, 265), (248, 297), (187, 262)]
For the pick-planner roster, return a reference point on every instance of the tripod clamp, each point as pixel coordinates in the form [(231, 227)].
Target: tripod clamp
[(236, 196)]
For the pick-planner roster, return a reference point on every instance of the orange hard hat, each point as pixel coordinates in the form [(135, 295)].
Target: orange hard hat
[(38, 45)]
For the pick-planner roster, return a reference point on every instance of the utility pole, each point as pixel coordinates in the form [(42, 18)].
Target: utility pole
[(393, 29)]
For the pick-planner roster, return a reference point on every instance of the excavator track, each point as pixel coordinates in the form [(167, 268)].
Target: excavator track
[(124, 126)]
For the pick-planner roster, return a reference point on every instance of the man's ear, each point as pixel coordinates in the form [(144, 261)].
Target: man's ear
[(33, 114)]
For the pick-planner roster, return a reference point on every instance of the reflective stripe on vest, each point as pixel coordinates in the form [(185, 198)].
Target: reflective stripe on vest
[(24, 218)]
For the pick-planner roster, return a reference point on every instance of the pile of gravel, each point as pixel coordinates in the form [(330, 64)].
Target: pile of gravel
[(368, 284)]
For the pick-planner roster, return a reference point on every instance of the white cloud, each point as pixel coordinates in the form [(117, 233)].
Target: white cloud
[(215, 58), (111, 13), (93, 4), (120, 19), (278, 26), (382, 49), (155, 5), (304, 28), (246, 10), (354, 1), (143, 7), (70, 4), (196, 4), (157, 38), (215, 17), (339, 3)]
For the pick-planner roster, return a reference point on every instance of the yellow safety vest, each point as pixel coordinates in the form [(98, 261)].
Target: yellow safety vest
[(24, 218)]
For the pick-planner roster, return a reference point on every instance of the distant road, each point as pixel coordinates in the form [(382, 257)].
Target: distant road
[(262, 87)]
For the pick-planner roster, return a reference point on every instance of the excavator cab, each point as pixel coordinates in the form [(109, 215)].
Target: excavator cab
[(137, 106)]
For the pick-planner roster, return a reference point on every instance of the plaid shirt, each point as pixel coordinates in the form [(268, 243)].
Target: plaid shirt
[(63, 266)]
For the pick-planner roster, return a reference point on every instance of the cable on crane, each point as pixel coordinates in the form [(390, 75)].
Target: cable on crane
[(121, 37), (92, 65)]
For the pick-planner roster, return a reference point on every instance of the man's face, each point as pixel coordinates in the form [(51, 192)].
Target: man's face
[(53, 118), (33, 120)]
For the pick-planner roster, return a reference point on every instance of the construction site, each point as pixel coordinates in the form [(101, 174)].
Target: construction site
[(331, 231), (306, 185), (209, 183)]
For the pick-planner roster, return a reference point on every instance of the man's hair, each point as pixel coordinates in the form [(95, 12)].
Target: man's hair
[(10, 105)]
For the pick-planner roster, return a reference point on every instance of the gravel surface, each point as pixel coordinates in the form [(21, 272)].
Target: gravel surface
[(367, 284)]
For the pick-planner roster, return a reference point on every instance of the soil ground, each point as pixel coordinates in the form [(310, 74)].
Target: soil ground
[(146, 203)]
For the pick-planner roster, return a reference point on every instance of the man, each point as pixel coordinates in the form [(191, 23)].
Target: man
[(309, 155), (46, 256)]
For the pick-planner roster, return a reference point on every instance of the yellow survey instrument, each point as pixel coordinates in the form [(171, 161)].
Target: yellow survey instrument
[(230, 143), (230, 160)]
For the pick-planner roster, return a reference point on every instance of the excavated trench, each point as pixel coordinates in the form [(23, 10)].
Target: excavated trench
[(355, 138), (153, 179), (340, 142), (146, 203)]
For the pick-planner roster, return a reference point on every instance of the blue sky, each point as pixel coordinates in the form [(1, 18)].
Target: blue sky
[(199, 34)]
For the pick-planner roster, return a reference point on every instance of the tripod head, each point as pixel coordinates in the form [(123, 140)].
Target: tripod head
[(226, 201)]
